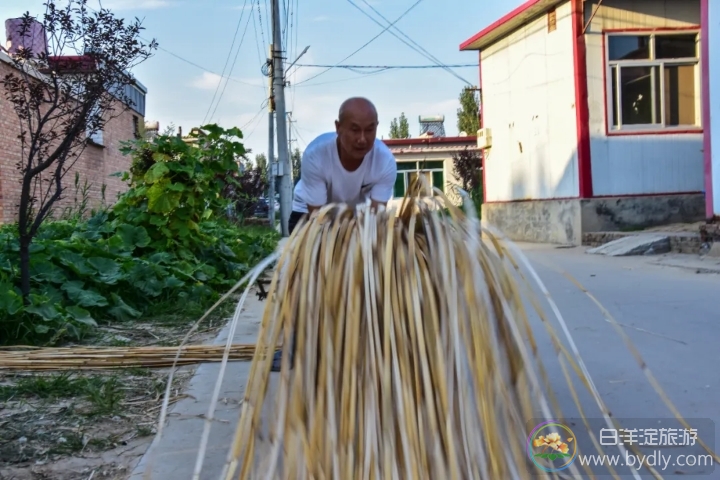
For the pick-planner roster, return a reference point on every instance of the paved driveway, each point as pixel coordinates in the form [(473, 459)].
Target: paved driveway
[(671, 315)]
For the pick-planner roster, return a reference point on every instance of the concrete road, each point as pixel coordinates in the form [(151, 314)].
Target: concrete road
[(671, 315)]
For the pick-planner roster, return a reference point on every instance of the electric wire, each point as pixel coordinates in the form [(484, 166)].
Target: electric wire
[(387, 67), (227, 60), (297, 132), (341, 80), (257, 41), (297, 4), (415, 45), (237, 53), (190, 62), (262, 108), (366, 44)]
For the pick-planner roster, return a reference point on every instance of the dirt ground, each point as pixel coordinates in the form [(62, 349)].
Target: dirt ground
[(92, 424)]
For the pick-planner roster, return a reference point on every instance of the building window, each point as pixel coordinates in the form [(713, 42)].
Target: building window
[(653, 81), (93, 133), (433, 171)]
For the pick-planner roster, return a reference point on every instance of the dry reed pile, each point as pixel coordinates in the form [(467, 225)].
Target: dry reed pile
[(102, 358), (414, 355)]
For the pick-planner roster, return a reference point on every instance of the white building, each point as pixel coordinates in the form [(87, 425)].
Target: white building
[(429, 156), (711, 78), (595, 113)]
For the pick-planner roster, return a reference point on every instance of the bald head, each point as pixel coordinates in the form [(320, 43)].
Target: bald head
[(356, 127), (357, 107)]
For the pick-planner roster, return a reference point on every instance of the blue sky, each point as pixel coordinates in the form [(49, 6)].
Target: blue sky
[(202, 32)]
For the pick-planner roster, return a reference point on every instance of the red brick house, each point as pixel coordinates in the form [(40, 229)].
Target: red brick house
[(100, 159)]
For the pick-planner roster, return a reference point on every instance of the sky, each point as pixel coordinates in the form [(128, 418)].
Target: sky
[(185, 86)]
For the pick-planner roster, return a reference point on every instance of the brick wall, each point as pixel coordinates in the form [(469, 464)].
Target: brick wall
[(95, 164)]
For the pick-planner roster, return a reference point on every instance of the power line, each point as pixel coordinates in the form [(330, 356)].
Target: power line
[(388, 67), (295, 10), (366, 44), (262, 109), (237, 53), (424, 52), (359, 77), (227, 59), (189, 62), (295, 129)]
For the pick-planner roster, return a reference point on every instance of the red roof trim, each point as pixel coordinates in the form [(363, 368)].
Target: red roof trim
[(502, 21), (429, 140)]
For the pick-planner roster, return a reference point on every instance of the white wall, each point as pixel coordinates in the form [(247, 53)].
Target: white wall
[(714, 64), (638, 164), (529, 103)]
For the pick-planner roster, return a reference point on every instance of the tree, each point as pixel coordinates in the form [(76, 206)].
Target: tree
[(262, 164), (296, 159), (62, 98), (468, 119), (399, 127), (467, 166)]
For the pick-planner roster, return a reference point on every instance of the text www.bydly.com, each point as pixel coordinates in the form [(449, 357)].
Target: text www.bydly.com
[(656, 460)]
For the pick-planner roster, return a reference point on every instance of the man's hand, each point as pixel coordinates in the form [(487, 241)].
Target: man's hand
[(374, 205)]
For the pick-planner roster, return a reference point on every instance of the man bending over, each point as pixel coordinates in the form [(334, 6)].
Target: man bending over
[(349, 165)]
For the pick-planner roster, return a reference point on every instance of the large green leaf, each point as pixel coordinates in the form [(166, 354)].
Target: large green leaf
[(145, 278), (121, 310), (172, 282), (156, 172), (84, 298), (159, 220), (10, 302), (162, 200), (75, 262), (108, 270), (41, 329), (47, 272), (81, 315), (134, 236), (46, 311)]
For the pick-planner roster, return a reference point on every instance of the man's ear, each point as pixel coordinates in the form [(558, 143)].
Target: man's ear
[(337, 126)]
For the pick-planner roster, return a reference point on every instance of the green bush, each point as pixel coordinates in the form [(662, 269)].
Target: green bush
[(164, 246)]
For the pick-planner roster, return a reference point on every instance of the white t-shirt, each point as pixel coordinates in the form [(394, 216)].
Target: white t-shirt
[(324, 180)]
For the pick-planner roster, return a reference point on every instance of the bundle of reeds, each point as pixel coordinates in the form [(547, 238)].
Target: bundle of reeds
[(101, 358), (414, 357)]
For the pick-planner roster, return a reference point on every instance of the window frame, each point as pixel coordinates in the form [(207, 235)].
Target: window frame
[(613, 74), (417, 169)]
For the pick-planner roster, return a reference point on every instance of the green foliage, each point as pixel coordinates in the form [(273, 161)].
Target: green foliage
[(399, 127), (262, 164), (295, 161), (468, 120), (165, 245), (467, 167), (175, 186)]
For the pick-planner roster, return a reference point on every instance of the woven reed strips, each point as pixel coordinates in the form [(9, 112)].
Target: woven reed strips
[(412, 355)]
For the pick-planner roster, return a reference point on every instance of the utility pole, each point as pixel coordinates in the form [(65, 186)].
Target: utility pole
[(271, 166), (284, 168)]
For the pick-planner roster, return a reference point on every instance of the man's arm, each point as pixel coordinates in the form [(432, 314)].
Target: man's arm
[(314, 187)]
